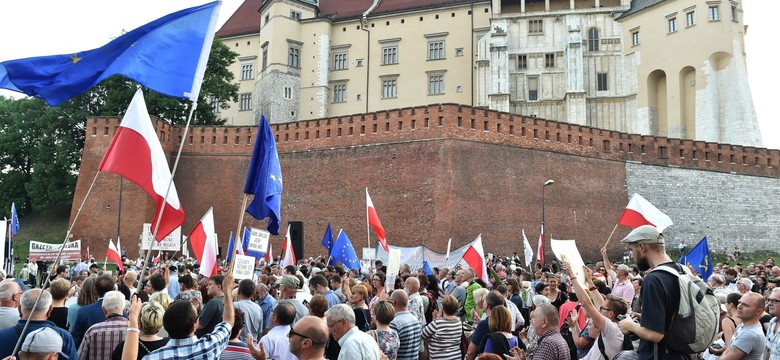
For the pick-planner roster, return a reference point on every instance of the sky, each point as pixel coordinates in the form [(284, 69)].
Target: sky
[(48, 27)]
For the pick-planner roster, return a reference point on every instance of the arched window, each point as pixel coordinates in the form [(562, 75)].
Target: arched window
[(593, 39)]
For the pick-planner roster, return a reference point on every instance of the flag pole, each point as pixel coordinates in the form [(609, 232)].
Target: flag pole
[(170, 182), (610, 235), (238, 231), (46, 280), (368, 227)]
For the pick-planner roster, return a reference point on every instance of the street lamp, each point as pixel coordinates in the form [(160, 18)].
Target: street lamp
[(548, 182)]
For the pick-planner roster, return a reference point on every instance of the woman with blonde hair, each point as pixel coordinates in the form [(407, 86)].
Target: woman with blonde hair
[(150, 323), (357, 299), (479, 304)]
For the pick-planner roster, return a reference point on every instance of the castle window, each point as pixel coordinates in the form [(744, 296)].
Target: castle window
[(340, 61), (245, 102), (295, 15), (340, 93), (713, 13), (549, 60), (533, 88), (294, 54), (593, 39), (601, 82), (522, 61), (287, 92), (247, 69), (672, 25), (635, 38), (690, 18), (436, 85), (389, 88), (436, 50), (389, 55), (535, 26)]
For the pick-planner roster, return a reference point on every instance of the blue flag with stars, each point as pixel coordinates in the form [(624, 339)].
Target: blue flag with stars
[(699, 257), (264, 179), (231, 247), (344, 252), (327, 239), (427, 268), (167, 55)]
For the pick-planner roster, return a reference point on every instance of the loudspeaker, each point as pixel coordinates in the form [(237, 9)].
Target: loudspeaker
[(296, 236), (219, 252)]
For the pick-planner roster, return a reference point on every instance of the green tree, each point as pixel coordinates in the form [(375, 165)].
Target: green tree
[(40, 146)]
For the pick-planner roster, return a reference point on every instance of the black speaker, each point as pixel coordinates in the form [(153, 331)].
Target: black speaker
[(219, 252), (296, 236)]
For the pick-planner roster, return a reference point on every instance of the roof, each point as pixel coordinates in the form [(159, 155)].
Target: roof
[(637, 6), (341, 10), (245, 20)]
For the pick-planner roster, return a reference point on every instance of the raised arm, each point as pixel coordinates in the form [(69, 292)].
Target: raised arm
[(229, 315)]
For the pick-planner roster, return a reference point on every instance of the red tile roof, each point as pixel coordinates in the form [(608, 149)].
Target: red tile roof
[(246, 20)]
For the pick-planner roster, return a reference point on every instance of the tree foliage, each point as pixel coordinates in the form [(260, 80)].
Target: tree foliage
[(40, 146)]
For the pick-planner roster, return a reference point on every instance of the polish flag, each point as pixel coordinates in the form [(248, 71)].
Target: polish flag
[(289, 254), (204, 244), (135, 153), (157, 258), (641, 212), (540, 247), (113, 254), (373, 221), (475, 257)]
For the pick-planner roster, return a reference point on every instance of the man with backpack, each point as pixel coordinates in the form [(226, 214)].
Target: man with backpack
[(661, 295)]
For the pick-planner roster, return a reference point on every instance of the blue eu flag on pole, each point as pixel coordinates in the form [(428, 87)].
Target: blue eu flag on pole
[(699, 257), (14, 220), (167, 55), (231, 247), (327, 239), (264, 179), (344, 252), (427, 268)]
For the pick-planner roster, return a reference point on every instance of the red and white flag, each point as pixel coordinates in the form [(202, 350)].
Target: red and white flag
[(135, 153), (641, 212), (289, 254), (113, 254), (540, 247), (157, 258), (373, 221), (269, 256), (204, 244), (475, 257)]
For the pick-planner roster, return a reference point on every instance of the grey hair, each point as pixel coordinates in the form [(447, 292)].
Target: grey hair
[(28, 301), (8, 289), (540, 299), (717, 279), (746, 282), (775, 290), (624, 268), (341, 311), (114, 301)]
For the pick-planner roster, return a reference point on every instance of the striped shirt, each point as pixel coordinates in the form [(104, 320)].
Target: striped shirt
[(101, 339), (444, 335), (236, 351), (408, 328)]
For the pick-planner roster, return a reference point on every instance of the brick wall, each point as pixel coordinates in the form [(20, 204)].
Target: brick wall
[(433, 172)]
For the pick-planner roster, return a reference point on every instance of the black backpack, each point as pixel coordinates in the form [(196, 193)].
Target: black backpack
[(627, 345), (499, 343)]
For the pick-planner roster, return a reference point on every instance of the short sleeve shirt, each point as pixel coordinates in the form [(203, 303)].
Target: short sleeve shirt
[(751, 340), (660, 298)]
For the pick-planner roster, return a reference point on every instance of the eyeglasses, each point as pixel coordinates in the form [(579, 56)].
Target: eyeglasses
[(292, 332), (603, 308), (773, 301), (331, 325)]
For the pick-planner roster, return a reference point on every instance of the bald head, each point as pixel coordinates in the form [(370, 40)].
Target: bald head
[(8, 292), (412, 285), (400, 300), (314, 328), (750, 308)]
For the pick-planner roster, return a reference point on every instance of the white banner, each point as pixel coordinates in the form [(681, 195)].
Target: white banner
[(566, 250), (243, 267), (369, 253), (172, 242), (48, 252), (258, 240)]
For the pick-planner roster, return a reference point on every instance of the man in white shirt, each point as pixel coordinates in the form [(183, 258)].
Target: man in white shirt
[(355, 344), (277, 342)]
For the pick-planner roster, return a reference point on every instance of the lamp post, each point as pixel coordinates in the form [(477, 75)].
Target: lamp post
[(548, 182)]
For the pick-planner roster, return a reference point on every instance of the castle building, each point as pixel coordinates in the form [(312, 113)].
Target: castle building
[(673, 68)]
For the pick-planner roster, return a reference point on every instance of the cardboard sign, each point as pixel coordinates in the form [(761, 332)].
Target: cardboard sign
[(369, 253), (566, 250), (243, 267), (172, 242), (48, 252), (258, 240)]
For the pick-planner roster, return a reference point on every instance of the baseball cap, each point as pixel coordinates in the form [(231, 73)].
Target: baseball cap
[(42, 341), (288, 281), (647, 234)]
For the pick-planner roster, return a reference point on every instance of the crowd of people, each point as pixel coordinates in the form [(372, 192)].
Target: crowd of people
[(319, 311)]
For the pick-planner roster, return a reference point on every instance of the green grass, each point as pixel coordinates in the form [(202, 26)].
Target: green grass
[(50, 228)]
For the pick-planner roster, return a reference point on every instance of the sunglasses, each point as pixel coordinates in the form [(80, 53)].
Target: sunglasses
[(292, 332)]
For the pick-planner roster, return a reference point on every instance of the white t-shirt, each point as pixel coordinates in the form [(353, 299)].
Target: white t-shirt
[(613, 342)]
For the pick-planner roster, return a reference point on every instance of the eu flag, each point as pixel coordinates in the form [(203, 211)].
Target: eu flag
[(14, 220), (427, 268), (344, 252), (231, 247), (327, 239), (264, 179), (167, 55), (699, 257)]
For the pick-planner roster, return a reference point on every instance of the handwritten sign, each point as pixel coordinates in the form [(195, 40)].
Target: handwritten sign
[(369, 253), (243, 267), (172, 242), (258, 240), (566, 250)]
